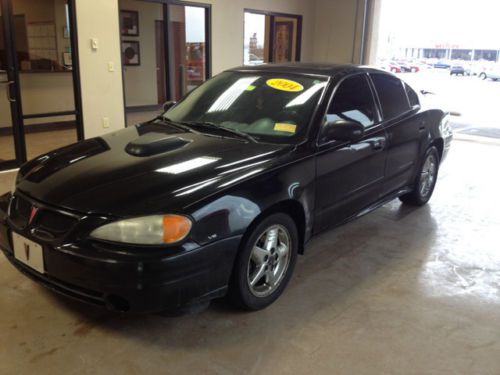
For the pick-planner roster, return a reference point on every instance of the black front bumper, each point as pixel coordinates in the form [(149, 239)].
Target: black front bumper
[(122, 281)]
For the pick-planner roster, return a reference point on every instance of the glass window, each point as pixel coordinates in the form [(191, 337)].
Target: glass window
[(412, 96), (353, 101), (391, 94), (271, 38), (255, 39), (269, 106)]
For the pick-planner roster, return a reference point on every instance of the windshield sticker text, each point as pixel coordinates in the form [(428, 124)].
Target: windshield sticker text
[(284, 85)]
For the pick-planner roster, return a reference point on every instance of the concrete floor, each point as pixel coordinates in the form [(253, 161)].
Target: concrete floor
[(401, 290)]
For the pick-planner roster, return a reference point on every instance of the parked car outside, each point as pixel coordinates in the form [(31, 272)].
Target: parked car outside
[(405, 67), (457, 70), (491, 72), (391, 67), (218, 195), (442, 65)]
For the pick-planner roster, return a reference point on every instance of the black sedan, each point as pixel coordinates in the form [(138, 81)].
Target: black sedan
[(218, 195)]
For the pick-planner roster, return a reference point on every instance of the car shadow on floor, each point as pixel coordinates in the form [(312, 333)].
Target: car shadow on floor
[(338, 264)]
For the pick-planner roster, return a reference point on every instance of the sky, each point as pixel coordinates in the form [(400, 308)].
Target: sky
[(195, 24), (255, 23), (466, 23)]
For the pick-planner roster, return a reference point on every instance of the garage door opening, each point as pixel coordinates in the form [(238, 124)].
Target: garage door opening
[(451, 51)]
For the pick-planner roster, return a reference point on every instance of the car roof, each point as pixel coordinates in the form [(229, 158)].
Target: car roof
[(328, 70)]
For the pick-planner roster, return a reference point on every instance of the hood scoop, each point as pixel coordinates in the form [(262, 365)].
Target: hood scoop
[(154, 143)]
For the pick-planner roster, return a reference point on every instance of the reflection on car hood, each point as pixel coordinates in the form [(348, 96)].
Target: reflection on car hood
[(99, 176)]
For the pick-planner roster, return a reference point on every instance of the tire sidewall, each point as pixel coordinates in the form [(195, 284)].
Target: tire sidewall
[(422, 200), (240, 288)]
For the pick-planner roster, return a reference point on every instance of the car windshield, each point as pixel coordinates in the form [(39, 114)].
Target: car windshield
[(268, 106)]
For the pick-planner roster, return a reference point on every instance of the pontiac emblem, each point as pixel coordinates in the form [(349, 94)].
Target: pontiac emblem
[(27, 251), (33, 213)]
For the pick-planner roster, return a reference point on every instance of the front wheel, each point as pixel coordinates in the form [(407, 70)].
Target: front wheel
[(265, 263), (426, 180), (482, 76)]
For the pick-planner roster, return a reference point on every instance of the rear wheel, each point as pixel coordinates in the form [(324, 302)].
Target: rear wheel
[(425, 181), (265, 263)]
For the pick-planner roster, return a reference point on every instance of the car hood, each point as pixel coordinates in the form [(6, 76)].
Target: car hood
[(143, 169)]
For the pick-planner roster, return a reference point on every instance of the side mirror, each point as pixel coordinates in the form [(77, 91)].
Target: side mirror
[(342, 130), (168, 105)]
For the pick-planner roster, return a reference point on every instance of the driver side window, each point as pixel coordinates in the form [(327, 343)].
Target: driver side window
[(353, 101)]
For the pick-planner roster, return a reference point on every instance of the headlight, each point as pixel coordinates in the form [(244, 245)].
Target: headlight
[(147, 230)]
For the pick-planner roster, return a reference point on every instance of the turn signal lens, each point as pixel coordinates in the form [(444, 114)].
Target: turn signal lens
[(175, 228), (146, 230)]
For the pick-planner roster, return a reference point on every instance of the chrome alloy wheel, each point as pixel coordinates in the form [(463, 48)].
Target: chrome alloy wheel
[(427, 176), (269, 261)]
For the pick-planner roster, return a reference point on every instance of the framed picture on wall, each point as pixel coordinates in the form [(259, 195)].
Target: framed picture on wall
[(283, 41), (131, 53), (129, 22)]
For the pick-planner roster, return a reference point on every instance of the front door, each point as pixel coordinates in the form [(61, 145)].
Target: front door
[(349, 176), (12, 148), (40, 106)]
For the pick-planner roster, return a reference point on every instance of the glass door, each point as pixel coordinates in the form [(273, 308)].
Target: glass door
[(11, 149), (188, 48), (41, 108)]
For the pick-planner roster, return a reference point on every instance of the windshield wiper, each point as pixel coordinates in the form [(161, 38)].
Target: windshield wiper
[(176, 124), (214, 126)]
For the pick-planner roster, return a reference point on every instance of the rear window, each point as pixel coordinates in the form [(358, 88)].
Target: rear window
[(412, 96), (391, 94)]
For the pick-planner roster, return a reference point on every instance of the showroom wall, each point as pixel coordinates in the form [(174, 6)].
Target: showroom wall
[(338, 31), (101, 89), (327, 35)]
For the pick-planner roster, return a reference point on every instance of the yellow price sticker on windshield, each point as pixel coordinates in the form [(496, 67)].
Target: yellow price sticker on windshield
[(284, 127), (284, 85)]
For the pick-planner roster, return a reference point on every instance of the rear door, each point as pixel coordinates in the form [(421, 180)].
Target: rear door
[(349, 176), (405, 128)]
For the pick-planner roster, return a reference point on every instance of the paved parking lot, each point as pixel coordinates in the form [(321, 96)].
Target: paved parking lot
[(478, 101)]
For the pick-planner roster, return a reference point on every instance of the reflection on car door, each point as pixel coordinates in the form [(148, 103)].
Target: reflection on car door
[(405, 129), (349, 175)]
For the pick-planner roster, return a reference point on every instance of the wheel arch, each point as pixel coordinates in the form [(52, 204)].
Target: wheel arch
[(290, 207), (439, 144)]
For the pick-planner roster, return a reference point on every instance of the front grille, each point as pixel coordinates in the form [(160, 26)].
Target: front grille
[(20, 210), (46, 224)]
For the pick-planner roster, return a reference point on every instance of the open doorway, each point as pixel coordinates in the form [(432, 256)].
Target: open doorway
[(451, 51), (165, 53)]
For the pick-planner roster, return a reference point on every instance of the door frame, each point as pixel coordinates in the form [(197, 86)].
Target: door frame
[(168, 48), (18, 117), (13, 76)]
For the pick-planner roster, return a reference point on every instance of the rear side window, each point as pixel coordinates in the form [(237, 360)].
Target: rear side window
[(412, 96), (391, 94), (353, 101)]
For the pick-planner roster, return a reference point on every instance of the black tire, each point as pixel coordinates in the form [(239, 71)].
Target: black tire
[(420, 194), (482, 76), (240, 291)]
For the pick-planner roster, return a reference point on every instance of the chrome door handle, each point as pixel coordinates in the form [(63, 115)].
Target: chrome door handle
[(7, 92), (377, 144)]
